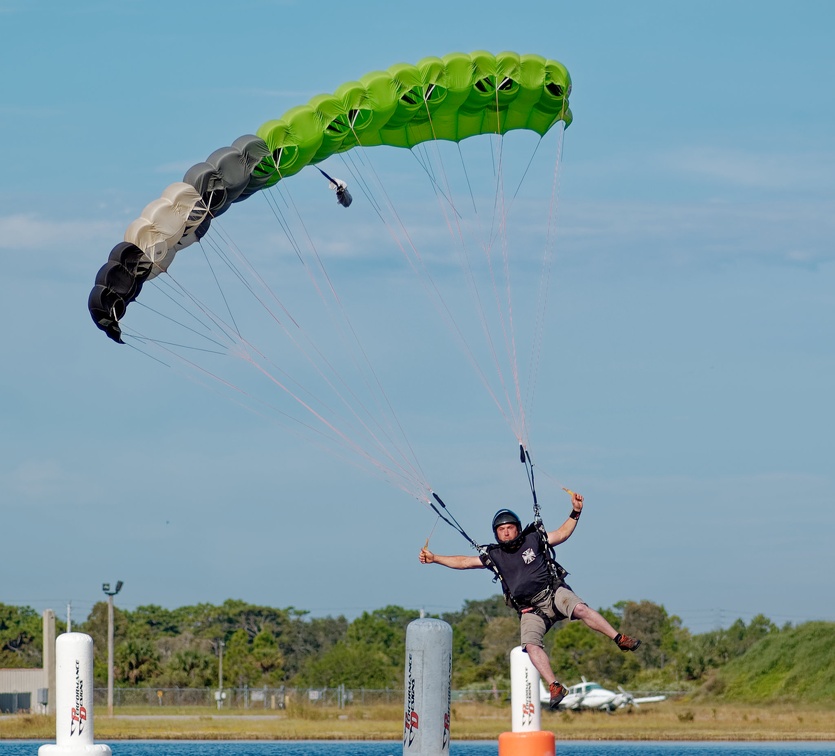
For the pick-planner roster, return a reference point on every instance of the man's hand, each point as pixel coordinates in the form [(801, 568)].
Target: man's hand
[(426, 556), (577, 501)]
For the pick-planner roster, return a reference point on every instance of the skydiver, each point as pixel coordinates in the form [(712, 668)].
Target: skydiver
[(534, 585)]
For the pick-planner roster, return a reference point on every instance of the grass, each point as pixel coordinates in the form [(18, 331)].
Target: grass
[(670, 720)]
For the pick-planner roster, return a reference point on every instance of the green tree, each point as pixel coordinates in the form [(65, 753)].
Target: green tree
[(712, 650), (267, 658), (384, 630), (135, 662), (501, 635), (353, 665), (238, 665), (21, 637), (469, 627), (189, 668), (153, 622), (659, 632), (304, 638), (577, 652)]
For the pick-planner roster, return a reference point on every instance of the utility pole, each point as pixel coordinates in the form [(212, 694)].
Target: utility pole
[(110, 594), (220, 694)]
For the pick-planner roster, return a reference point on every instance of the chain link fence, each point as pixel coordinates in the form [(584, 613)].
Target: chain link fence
[(274, 698)]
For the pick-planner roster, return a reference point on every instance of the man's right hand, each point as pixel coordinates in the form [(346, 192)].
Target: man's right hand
[(426, 556)]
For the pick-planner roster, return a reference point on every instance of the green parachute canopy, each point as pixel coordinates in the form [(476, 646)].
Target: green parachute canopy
[(450, 98)]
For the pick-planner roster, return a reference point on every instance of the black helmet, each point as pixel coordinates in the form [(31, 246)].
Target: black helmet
[(506, 517)]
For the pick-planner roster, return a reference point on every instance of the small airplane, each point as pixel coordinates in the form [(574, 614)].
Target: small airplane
[(591, 695)]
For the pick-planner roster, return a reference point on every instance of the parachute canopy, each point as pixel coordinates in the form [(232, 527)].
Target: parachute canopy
[(450, 98)]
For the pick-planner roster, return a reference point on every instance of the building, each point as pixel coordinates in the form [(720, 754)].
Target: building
[(32, 690)]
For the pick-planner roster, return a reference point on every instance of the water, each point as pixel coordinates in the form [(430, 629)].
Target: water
[(477, 748)]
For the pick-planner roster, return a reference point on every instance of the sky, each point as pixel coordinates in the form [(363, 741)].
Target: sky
[(685, 383)]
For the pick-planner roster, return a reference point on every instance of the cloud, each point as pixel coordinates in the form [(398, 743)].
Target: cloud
[(38, 481), (27, 231), (783, 232), (755, 170)]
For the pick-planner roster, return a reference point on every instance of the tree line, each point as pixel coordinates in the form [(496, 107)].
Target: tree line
[(265, 646)]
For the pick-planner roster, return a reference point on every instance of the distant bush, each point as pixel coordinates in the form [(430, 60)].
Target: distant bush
[(792, 665)]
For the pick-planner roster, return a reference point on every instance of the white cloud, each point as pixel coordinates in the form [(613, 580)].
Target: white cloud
[(25, 231), (760, 170), (38, 480), (778, 232)]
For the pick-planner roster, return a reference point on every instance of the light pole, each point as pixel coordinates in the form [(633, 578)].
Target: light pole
[(220, 694), (110, 594)]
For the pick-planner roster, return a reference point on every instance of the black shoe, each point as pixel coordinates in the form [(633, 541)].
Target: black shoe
[(625, 643), (558, 692)]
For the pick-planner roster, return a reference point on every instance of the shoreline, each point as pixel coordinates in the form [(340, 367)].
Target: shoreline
[(666, 722)]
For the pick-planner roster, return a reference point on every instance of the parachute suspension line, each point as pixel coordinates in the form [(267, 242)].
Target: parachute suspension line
[(548, 254), (405, 473), (214, 323), (353, 162), (292, 423), (505, 312), (401, 472), (380, 390), (238, 345), (222, 349), (399, 479), (220, 289), (425, 164), (527, 168), (236, 271), (470, 277), (417, 264), (168, 287), (345, 319), (466, 177)]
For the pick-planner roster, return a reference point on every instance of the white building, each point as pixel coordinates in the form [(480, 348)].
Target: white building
[(32, 690)]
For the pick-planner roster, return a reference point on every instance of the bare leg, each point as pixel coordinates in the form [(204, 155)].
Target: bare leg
[(542, 663), (594, 620)]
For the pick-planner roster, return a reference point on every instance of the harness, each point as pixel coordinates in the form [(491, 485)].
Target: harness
[(556, 572)]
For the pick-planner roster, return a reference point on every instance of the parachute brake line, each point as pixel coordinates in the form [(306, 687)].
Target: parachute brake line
[(450, 520)]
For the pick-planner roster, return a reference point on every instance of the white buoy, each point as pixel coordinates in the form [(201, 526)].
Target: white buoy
[(524, 693), (428, 688), (526, 738), (74, 699)]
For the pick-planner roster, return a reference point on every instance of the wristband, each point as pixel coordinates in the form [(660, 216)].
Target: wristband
[(575, 515)]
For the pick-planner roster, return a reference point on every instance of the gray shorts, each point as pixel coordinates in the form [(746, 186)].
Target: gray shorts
[(533, 627)]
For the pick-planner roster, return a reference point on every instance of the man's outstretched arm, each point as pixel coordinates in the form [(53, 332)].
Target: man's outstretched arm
[(564, 531), (455, 562)]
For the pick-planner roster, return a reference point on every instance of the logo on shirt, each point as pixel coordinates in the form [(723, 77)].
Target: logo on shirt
[(528, 556)]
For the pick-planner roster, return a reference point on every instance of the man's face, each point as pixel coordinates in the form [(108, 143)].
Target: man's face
[(506, 532)]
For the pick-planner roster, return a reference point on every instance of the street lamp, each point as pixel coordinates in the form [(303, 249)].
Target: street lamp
[(110, 594), (220, 695)]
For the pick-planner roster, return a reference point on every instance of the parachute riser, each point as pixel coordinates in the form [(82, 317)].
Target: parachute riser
[(525, 459)]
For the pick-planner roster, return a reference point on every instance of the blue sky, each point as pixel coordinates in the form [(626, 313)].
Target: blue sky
[(686, 380)]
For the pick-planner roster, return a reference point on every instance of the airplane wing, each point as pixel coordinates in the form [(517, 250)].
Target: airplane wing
[(649, 699)]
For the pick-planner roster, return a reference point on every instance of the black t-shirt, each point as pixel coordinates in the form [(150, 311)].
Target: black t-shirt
[(523, 567)]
